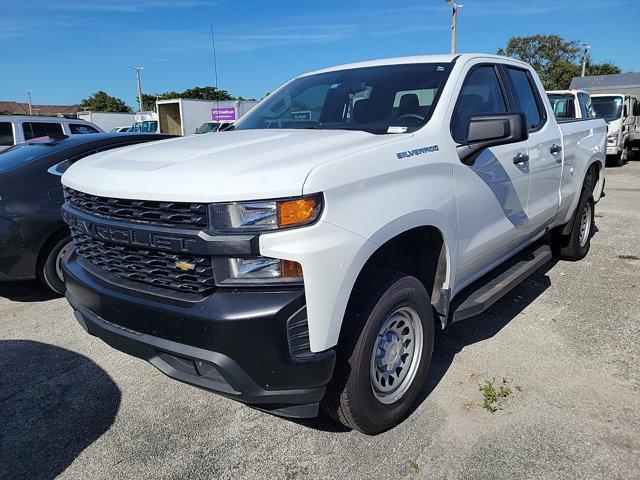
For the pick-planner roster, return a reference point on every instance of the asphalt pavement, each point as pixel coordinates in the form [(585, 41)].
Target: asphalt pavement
[(565, 345)]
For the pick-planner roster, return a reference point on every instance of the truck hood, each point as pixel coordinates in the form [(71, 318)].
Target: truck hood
[(225, 166)]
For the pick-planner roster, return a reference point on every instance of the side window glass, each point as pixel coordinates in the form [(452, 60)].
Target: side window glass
[(6, 134), (41, 129), (525, 96), (80, 129), (481, 94)]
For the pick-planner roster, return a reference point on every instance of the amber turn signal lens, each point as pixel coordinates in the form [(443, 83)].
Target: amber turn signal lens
[(296, 212), (289, 269)]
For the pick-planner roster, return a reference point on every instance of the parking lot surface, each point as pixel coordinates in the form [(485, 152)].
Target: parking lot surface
[(565, 342)]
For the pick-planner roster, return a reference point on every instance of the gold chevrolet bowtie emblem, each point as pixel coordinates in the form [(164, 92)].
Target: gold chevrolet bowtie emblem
[(185, 266)]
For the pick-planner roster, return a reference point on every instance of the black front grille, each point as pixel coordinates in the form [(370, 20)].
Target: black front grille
[(185, 215), (148, 266)]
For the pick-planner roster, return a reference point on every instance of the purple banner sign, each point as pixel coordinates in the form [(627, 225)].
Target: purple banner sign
[(223, 114)]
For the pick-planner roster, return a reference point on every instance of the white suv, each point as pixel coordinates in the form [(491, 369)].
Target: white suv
[(16, 129)]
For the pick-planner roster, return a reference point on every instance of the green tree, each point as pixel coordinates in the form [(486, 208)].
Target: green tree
[(102, 102), (197, 93), (604, 68), (206, 93), (149, 102), (555, 59)]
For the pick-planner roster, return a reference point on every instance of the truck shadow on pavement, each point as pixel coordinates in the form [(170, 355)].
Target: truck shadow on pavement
[(455, 337), (53, 404), (26, 291)]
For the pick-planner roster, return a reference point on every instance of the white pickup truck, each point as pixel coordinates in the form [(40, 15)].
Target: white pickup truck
[(307, 264), (571, 104)]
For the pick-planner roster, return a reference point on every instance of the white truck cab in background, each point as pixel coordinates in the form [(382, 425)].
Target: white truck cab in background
[(622, 113), (306, 257), (616, 98)]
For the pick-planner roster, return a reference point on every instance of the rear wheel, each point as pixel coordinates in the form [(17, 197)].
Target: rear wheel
[(384, 353), (50, 265), (577, 243)]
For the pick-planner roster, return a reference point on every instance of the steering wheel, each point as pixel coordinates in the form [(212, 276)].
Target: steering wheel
[(415, 116)]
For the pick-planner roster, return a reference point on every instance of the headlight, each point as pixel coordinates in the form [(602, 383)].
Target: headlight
[(256, 271), (259, 216)]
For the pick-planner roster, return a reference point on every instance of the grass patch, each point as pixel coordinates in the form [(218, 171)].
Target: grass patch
[(414, 466), (494, 395)]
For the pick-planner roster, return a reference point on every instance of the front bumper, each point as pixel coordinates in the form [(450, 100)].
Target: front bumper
[(236, 343), (613, 150)]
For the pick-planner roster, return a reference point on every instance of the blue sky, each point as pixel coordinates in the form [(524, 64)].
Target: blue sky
[(65, 50)]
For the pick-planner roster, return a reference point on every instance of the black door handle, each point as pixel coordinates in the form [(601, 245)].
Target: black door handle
[(520, 158), (555, 149)]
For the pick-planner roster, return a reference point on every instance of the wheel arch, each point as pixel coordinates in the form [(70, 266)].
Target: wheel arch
[(60, 232), (424, 235)]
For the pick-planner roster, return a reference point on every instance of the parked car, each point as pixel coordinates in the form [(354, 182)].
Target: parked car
[(571, 104), (121, 129), (15, 129), (33, 236), (208, 127), (306, 257)]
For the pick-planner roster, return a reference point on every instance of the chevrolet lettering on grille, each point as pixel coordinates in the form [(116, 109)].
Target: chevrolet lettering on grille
[(128, 236)]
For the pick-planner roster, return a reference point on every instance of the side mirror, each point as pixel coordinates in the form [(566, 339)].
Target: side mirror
[(636, 110), (491, 130)]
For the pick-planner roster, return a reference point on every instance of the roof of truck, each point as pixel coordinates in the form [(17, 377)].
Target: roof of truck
[(446, 58), (619, 80)]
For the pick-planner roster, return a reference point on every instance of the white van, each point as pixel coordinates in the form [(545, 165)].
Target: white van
[(16, 129)]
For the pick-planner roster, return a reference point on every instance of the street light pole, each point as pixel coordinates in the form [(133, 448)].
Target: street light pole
[(137, 69), (454, 23), (29, 92), (584, 58)]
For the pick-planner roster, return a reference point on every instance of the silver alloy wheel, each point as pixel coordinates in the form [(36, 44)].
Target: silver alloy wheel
[(585, 225), (396, 355), (61, 254)]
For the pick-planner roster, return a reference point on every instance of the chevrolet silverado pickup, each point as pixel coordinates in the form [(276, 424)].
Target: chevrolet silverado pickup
[(305, 259)]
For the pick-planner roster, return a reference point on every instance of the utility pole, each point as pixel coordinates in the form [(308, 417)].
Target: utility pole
[(454, 23), (584, 58), (137, 69), (29, 92)]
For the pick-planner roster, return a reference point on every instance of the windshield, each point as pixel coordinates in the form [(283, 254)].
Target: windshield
[(563, 106), (208, 127), (608, 107), (23, 153), (371, 99)]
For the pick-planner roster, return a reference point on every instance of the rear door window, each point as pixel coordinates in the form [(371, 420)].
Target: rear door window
[(81, 129), (562, 106), (6, 134), (585, 106), (41, 129), (525, 96)]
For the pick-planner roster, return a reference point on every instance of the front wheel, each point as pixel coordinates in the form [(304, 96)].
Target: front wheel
[(50, 265), (384, 353)]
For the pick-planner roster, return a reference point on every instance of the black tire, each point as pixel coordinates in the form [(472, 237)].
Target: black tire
[(615, 160), (624, 156), (574, 247), (48, 267), (350, 397)]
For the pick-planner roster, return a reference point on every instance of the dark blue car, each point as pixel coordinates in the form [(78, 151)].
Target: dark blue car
[(33, 237)]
